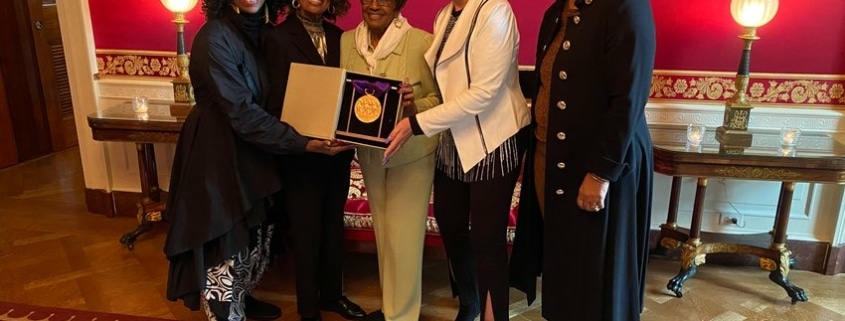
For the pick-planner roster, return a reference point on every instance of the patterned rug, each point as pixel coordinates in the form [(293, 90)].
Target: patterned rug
[(23, 312)]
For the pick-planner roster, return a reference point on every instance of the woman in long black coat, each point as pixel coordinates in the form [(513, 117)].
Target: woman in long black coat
[(316, 186), (224, 171), (585, 208)]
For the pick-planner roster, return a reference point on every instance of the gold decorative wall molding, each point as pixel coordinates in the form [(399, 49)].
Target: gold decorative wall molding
[(136, 63), (764, 88), (711, 87)]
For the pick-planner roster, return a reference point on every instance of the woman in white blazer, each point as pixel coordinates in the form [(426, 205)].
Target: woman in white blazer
[(474, 61)]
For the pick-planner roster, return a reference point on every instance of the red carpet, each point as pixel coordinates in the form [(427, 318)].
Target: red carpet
[(23, 312)]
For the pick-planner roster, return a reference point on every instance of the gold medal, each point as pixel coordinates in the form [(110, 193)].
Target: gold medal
[(367, 108)]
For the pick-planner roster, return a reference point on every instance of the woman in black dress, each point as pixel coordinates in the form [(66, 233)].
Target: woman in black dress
[(588, 170), (224, 170)]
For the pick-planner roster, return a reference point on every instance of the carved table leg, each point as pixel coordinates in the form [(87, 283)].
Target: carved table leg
[(690, 258), (150, 157), (128, 239), (665, 242), (780, 270), (150, 193)]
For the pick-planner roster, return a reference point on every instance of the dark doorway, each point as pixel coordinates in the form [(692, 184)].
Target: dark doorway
[(36, 91)]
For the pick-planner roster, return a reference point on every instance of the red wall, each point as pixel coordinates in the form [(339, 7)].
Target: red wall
[(805, 37)]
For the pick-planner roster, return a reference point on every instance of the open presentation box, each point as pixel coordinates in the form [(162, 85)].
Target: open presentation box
[(333, 103)]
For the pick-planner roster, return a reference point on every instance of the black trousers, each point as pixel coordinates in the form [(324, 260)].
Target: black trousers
[(478, 256), (314, 195)]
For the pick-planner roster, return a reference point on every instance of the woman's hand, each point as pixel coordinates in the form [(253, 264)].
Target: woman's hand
[(328, 147), (592, 193), (408, 104), (397, 137)]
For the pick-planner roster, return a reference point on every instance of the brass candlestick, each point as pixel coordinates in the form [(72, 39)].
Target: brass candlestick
[(182, 90), (734, 129), (183, 93)]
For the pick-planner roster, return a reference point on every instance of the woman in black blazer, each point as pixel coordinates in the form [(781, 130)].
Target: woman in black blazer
[(315, 187), (589, 167)]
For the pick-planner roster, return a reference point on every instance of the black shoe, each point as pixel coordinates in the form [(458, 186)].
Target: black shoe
[(347, 309), (260, 310), (468, 313), (378, 315)]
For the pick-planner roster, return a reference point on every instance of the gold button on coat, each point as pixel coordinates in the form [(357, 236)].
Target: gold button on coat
[(566, 45), (561, 105), (561, 136), (588, 1), (576, 20), (561, 165), (559, 192), (562, 75)]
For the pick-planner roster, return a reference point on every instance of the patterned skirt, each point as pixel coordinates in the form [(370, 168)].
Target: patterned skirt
[(229, 282)]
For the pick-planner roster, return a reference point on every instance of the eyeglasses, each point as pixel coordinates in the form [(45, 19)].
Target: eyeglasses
[(383, 3)]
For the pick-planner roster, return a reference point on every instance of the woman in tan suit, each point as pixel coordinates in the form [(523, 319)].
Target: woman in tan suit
[(386, 45)]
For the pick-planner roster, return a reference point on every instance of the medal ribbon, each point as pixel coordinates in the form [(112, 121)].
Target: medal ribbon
[(377, 88)]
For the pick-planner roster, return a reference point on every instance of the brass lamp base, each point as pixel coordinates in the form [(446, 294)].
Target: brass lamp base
[(183, 96), (725, 135), (732, 141), (180, 110), (182, 91), (733, 135)]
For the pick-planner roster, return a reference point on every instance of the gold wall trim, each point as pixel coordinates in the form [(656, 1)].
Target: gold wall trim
[(762, 75), (689, 86), (135, 52), (136, 63), (817, 91)]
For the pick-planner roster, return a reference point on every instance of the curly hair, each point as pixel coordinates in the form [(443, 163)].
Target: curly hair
[(337, 8), (214, 8)]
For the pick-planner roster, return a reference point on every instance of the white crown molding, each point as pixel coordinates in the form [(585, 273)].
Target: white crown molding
[(118, 88), (816, 120)]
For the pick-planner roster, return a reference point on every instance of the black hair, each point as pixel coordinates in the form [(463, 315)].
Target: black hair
[(214, 8), (337, 8), (400, 4)]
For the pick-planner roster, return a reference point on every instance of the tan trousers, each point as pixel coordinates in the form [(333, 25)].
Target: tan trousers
[(399, 199)]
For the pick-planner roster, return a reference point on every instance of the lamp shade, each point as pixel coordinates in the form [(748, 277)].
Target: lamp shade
[(753, 13), (179, 5)]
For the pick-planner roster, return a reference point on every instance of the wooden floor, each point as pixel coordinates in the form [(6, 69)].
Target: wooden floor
[(54, 253)]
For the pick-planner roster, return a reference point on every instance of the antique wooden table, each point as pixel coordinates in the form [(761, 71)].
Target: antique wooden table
[(818, 158), (121, 124)]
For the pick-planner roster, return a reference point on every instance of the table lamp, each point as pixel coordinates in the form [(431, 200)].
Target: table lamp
[(751, 14), (183, 94)]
